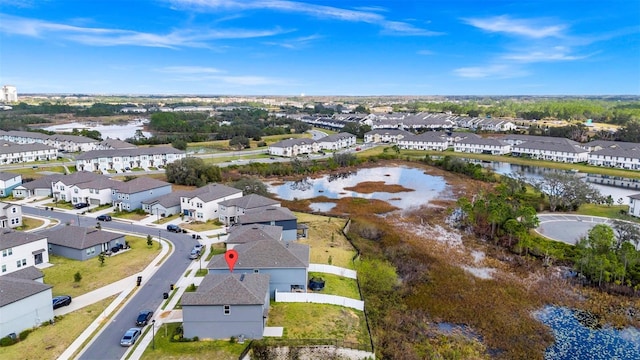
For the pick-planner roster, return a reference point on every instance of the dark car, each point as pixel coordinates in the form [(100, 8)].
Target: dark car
[(60, 301), (144, 317), (174, 228), (80, 205), (104, 218), (129, 338)]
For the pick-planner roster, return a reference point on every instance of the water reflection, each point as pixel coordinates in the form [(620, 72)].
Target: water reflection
[(426, 187), (575, 341)]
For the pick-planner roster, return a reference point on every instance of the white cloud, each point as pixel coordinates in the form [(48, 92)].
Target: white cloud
[(115, 37), (499, 71), (189, 70), (364, 15), (532, 28), (296, 43), (557, 53)]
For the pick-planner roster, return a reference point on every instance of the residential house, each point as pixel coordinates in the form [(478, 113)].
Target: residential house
[(96, 192), (40, 187), (10, 215), (337, 141), (20, 250), (164, 205), (475, 144), (429, 140), (129, 195), (275, 216), (62, 186), (243, 234), (385, 136), (286, 263), (71, 143), (8, 181), (227, 305), (25, 301), (121, 159), (202, 204), (617, 154), (80, 243), (560, 150), (294, 147), (634, 205), (230, 210), (11, 153), (114, 144)]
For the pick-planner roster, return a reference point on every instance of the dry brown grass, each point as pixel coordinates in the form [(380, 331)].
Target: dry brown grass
[(368, 187), (49, 342), (326, 240)]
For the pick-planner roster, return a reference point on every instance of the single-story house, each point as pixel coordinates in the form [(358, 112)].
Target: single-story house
[(39, 187), (227, 305), (81, 243), (164, 205)]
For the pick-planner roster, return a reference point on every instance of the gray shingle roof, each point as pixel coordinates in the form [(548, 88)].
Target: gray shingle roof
[(14, 289), (12, 148), (250, 201), (254, 232), (212, 192), (43, 182), (28, 273), (336, 137), (266, 254), (10, 238), (100, 184), (117, 144), (561, 145), (79, 178), (77, 237), (292, 142), (272, 213), (4, 176), (139, 184), (168, 200), (229, 289), (157, 150)]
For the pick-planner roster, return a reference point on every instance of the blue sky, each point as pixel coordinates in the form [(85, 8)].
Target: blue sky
[(364, 47)]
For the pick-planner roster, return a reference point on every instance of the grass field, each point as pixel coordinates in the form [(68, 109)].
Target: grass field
[(204, 349), (29, 223), (49, 342), (337, 285), (202, 226), (328, 244), (318, 321), (116, 267)]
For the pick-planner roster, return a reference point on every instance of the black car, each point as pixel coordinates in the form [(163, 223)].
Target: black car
[(60, 301), (144, 317), (81, 205), (104, 218), (174, 228)]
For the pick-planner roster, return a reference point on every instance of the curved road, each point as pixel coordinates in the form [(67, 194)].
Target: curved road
[(568, 228), (107, 344)]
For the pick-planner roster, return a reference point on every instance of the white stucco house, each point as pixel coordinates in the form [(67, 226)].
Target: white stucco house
[(10, 215), (202, 204), (294, 147), (25, 302), (19, 250)]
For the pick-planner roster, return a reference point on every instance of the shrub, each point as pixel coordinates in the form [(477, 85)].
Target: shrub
[(25, 333), (7, 341)]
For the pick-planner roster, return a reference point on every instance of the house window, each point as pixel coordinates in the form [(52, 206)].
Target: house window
[(18, 263), (4, 268), (24, 262), (14, 210), (199, 205), (255, 271), (227, 309)]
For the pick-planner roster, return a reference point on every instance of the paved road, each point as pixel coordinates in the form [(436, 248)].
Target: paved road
[(568, 228), (107, 344)]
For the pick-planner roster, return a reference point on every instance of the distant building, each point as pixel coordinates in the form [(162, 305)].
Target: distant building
[(9, 93)]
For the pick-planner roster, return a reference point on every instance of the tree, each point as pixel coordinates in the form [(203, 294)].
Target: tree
[(239, 142), (149, 241), (625, 232), (77, 277), (179, 144), (192, 171), (101, 258), (566, 191), (250, 185)]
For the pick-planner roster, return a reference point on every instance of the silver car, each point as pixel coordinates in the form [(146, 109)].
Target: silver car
[(130, 337)]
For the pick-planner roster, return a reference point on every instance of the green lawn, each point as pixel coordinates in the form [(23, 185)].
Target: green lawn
[(49, 342), (328, 244), (204, 349), (30, 223), (116, 267), (129, 215), (337, 285), (613, 212), (319, 321), (61, 205)]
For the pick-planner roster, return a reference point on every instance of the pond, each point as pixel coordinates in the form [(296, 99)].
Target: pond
[(420, 187), (533, 172), (115, 131), (574, 340)]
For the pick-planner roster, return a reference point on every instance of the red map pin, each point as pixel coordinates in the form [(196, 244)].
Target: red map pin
[(231, 256)]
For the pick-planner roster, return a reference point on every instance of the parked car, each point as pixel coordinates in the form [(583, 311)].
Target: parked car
[(174, 228), (60, 301), (129, 338), (104, 218), (81, 205), (194, 254), (197, 247), (144, 317)]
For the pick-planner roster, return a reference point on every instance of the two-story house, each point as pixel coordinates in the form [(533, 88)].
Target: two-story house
[(25, 301), (337, 141), (10, 215), (275, 216), (129, 195), (202, 204), (19, 250), (294, 147), (8, 182), (230, 210), (62, 186)]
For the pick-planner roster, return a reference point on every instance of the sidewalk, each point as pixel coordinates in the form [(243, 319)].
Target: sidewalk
[(124, 287)]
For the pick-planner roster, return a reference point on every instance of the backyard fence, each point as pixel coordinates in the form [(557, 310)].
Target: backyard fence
[(320, 299), (330, 269)]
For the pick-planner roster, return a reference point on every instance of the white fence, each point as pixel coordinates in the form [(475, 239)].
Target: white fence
[(320, 299), (330, 269)]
